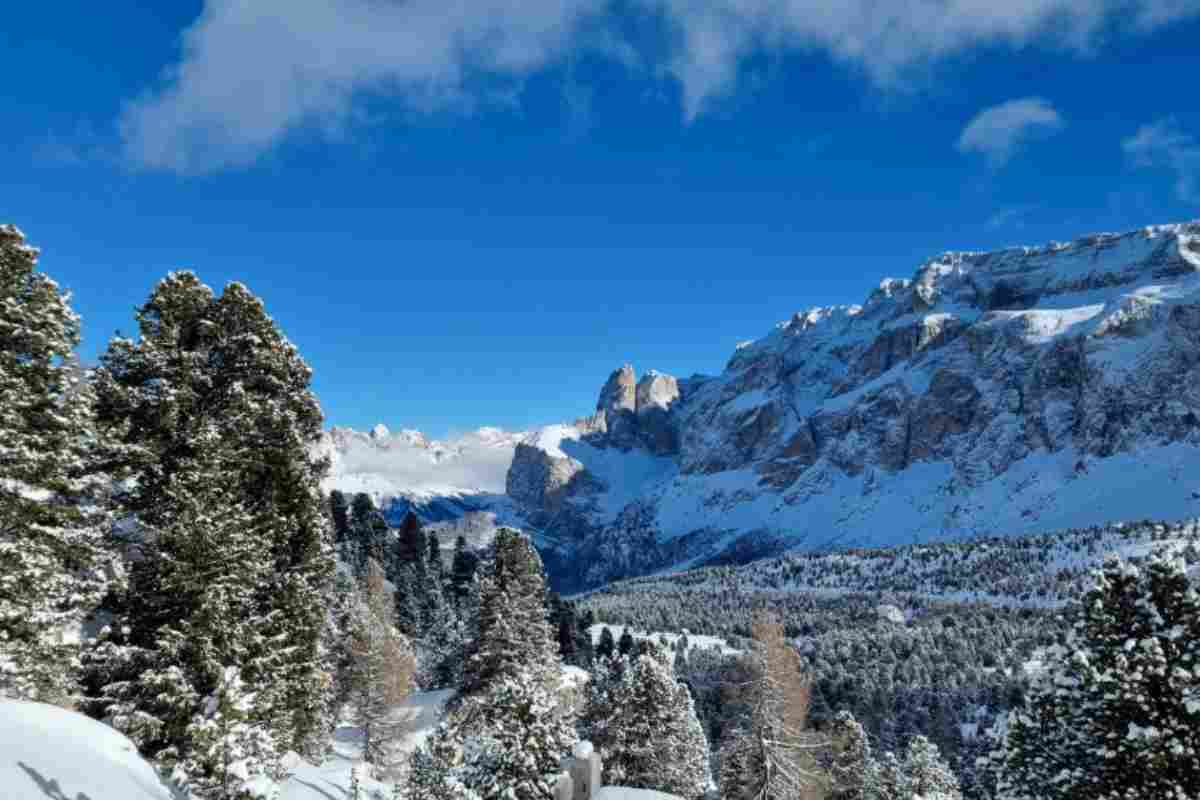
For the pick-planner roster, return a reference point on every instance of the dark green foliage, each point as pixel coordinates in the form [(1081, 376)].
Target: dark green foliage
[(462, 570), (1115, 712), (607, 646), (411, 547), (369, 532), (219, 424), (52, 506), (339, 512), (513, 630)]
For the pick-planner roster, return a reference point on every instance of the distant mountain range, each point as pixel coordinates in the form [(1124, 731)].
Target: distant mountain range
[(1014, 391)]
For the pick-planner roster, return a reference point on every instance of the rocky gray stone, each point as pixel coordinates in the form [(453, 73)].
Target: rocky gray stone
[(1072, 354)]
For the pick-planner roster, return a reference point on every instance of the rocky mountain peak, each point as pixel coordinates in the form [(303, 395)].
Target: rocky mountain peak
[(619, 392), (991, 392)]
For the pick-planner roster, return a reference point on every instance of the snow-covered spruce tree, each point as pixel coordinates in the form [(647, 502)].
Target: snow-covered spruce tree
[(411, 545), (382, 666), (462, 570), (1115, 713), (441, 638), (167, 673), (407, 600), (214, 406), (514, 633), (607, 646), (849, 759), (52, 514), (772, 756), (227, 748), (644, 725), (926, 775), (339, 514), (507, 730), (369, 532)]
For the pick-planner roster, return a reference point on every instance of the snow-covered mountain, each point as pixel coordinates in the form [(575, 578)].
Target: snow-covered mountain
[(1007, 392), (439, 479)]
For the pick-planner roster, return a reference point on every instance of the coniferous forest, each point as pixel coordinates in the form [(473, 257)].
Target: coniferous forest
[(171, 566)]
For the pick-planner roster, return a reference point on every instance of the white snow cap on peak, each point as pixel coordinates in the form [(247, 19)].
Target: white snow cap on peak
[(582, 749), (380, 431)]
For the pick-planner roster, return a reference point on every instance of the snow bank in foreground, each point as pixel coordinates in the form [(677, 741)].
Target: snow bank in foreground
[(622, 793), (46, 751)]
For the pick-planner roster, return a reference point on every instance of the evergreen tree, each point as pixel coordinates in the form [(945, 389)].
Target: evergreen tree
[(214, 408), (643, 722), (926, 775), (51, 503), (585, 651), (407, 599), (507, 730), (369, 531), (849, 759), (169, 675), (433, 598), (339, 511), (513, 630), (227, 749), (411, 547), (1115, 713), (462, 570), (625, 644), (607, 646), (506, 742), (382, 666)]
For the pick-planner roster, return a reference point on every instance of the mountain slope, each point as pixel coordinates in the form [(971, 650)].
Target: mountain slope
[(1013, 391)]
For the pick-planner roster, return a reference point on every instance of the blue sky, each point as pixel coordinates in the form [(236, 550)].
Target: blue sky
[(468, 212)]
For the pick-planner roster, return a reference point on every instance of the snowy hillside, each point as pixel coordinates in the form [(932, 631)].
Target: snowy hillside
[(1039, 571), (48, 752), (1016, 391)]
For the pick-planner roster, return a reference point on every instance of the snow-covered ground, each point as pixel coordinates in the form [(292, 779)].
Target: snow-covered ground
[(694, 639), (49, 752), (623, 793), (414, 720)]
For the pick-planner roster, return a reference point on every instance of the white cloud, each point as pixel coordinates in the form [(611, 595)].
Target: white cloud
[(478, 460), (998, 132), (1165, 144), (251, 72)]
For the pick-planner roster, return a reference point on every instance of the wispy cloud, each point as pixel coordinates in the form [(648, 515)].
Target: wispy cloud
[(250, 73), (1163, 144), (998, 132), (1010, 217)]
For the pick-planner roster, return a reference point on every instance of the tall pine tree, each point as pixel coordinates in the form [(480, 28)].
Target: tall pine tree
[(214, 407), (508, 729), (51, 505)]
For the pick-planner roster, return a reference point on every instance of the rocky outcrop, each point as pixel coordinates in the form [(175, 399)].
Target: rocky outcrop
[(991, 392), (656, 394)]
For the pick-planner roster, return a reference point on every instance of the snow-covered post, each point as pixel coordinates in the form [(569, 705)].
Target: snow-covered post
[(585, 771), (564, 788)]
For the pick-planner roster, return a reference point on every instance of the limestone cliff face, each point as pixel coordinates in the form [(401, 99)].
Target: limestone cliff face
[(1016, 390)]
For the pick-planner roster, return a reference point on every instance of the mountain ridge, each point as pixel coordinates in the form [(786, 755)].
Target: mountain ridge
[(1014, 391)]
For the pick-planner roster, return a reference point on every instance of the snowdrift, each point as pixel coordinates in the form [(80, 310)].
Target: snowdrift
[(49, 752)]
